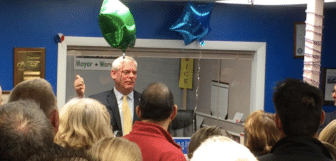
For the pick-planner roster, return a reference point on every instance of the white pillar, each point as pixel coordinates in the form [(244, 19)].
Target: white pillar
[(313, 42)]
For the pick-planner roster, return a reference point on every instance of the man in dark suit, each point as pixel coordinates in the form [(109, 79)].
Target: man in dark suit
[(123, 95)]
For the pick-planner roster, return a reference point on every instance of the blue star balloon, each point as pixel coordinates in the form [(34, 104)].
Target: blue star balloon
[(194, 22)]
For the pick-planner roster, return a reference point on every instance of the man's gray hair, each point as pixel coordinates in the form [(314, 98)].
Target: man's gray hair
[(117, 62), (38, 90)]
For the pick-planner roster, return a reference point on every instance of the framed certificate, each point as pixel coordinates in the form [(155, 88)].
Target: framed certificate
[(299, 39), (29, 63), (328, 83)]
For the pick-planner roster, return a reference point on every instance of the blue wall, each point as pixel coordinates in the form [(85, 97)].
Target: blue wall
[(34, 23)]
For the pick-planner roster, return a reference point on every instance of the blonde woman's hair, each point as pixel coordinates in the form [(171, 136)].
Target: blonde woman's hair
[(83, 121), (218, 148), (328, 134), (202, 134), (116, 149), (261, 132)]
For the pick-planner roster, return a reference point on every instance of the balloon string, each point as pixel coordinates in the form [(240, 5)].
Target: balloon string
[(198, 81), (122, 67), (219, 74)]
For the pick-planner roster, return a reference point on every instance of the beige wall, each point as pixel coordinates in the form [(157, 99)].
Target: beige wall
[(238, 74), (208, 72), (235, 72)]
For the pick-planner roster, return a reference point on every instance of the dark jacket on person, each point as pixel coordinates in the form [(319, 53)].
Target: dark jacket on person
[(298, 148), (331, 149), (257, 153), (108, 98)]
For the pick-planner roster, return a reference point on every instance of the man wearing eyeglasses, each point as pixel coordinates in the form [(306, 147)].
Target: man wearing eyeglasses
[(122, 99)]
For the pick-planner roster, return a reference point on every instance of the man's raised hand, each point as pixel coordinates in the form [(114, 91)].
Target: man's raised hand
[(79, 86)]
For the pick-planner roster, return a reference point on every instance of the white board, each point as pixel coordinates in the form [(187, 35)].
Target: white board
[(219, 99)]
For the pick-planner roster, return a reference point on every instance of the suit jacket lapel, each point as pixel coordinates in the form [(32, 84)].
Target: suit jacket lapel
[(114, 107), (136, 103)]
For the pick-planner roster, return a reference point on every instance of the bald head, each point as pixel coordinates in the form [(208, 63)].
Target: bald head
[(156, 102)]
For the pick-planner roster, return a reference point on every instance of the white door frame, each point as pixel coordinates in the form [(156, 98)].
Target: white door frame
[(257, 70)]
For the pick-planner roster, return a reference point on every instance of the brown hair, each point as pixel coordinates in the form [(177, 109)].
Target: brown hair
[(24, 130), (39, 90), (202, 134), (261, 132)]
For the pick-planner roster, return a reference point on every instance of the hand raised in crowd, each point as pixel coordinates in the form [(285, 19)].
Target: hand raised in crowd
[(79, 86)]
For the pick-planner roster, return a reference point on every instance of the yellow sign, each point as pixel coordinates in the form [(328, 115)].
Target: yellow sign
[(186, 73)]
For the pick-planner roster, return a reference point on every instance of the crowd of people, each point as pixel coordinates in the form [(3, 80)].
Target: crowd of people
[(123, 125)]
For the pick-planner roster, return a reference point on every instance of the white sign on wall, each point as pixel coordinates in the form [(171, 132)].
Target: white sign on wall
[(93, 63)]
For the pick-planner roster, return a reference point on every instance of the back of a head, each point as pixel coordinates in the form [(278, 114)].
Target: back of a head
[(116, 149), (156, 102), (83, 121), (299, 107), (328, 134), (218, 148), (261, 132), (202, 134), (38, 90), (61, 154), (67, 155), (24, 130)]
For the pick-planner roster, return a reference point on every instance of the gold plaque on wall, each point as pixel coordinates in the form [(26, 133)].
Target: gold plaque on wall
[(29, 63)]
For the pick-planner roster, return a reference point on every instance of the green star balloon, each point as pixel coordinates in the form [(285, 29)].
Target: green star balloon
[(117, 24)]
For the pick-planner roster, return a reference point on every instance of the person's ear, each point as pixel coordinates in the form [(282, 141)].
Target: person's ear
[(322, 117), (278, 122), (138, 112), (54, 120), (174, 113), (113, 74)]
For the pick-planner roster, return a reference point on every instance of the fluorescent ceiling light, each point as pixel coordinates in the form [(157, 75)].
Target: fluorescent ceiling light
[(269, 2)]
